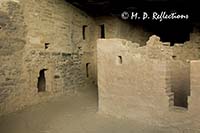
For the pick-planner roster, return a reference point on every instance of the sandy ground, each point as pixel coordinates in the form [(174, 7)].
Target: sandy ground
[(75, 114)]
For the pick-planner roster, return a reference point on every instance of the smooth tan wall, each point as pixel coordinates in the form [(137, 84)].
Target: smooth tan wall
[(147, 82)]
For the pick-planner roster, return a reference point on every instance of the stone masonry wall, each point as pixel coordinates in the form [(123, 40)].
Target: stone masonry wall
[(117, 28), (195, 85), (12, 43), (136, 82), (59, 25), (149, 83), (37, 35), (50, 36)]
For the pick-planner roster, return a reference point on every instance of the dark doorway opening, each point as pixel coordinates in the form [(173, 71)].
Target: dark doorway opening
[(180, 83), (87, 70), (181, 99), (41, 85), (83, 31), (102, 27)]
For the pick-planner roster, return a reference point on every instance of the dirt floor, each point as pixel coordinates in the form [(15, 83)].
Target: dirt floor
[(75, 114)]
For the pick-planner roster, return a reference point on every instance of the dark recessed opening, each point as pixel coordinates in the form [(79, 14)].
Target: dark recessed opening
[(180, 99), (171, 43), (180, 85), (87, 70), (56, 76), (174, 56), (41, 85), (46, 45), (83, 31), (102, 27), (119, 60), (172, 32)]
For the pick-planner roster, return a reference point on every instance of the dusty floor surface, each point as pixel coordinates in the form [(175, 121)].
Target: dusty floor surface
[(75, 114)]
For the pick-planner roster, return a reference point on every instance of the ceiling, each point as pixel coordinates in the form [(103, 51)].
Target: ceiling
[(116, 7), (173, 31)]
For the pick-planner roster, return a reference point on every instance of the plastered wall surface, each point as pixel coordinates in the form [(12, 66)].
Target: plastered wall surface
[(149, 83)]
